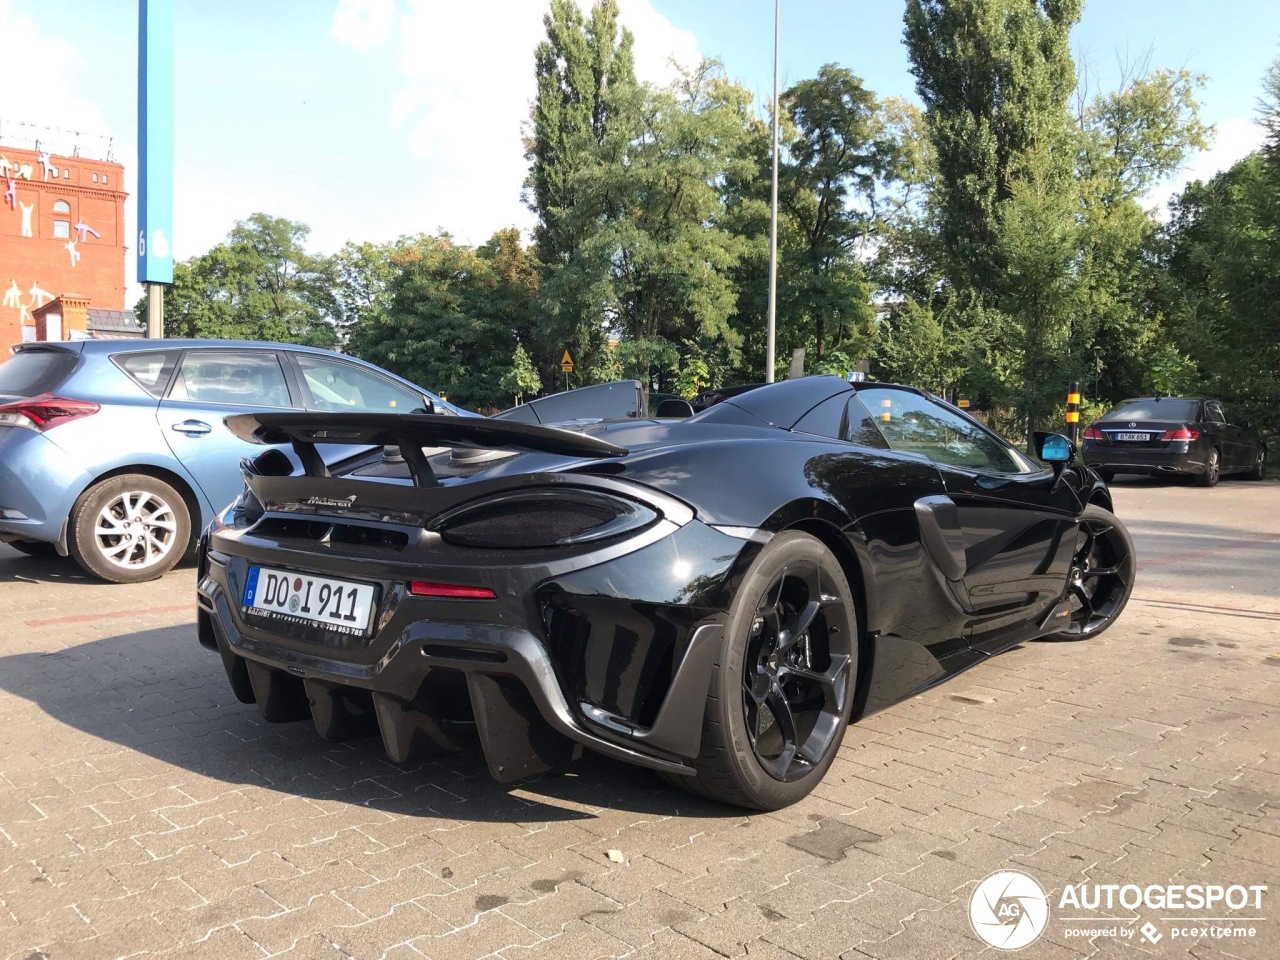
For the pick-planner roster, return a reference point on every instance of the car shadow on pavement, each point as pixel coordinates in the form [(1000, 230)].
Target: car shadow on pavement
[(158, 693), (17, 567)]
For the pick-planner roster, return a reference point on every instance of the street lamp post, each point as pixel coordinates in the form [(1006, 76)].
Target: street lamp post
[(770, 356)]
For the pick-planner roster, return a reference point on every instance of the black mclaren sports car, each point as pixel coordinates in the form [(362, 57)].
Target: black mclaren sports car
[(713, 597)]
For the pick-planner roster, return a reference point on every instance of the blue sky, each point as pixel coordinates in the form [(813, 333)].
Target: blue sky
[(371, 118)]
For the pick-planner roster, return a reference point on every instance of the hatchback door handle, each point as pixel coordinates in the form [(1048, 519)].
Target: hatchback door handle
[(192, 428)]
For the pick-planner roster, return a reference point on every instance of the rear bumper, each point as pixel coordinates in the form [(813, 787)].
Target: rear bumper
[(1175, 458), (39, 483), (535, 697)]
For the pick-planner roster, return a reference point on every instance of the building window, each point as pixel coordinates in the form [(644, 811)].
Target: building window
[(95, 178), (104, 178), (66, 173), (62, 229), (62, 207)]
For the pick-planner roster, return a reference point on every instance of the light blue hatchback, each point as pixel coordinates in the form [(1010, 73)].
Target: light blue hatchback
[(115, 452)]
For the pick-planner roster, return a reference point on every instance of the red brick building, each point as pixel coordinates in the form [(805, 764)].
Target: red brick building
[(61, 232)]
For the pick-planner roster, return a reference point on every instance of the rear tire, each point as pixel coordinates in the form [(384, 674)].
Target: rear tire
[(34, 548), (746, 759), (1259, 469), (129, 529), (1212, 470)]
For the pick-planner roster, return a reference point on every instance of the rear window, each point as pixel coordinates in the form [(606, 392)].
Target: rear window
[(29, 373), (1170, 408)]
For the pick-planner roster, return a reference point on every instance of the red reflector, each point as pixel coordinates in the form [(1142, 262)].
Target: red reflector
[(1182, 433), (1093, 433), (449, 591), (47, 411)]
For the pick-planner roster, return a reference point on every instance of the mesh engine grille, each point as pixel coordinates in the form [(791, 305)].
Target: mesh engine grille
[(527, 524)]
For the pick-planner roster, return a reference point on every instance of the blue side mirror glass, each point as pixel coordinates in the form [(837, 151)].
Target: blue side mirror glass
[(1055, 449)]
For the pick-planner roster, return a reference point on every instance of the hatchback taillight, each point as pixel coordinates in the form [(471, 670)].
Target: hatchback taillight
[(44, 412), (1093, 433), (1182, 433)]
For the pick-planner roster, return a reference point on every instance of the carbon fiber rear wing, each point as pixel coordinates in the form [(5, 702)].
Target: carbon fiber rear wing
[(410, 433)]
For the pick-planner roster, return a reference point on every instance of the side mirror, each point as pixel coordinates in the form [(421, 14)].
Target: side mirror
[(1055, 450)]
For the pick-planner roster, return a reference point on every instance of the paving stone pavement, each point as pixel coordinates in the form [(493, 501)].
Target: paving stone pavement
[(144, 812)]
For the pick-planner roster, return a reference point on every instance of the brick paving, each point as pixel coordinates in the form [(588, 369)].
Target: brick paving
[(144, 812)]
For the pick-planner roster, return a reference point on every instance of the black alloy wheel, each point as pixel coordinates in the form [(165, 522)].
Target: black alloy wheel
[(1102, 574), (1212, 470), (1259, 469), (783, 686), (796, 676)]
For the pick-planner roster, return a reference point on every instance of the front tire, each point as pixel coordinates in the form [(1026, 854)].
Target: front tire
[(783, 687), (1102, 574), (1212, 470), (129, 529)]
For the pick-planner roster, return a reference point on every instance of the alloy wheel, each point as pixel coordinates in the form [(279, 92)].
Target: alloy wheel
[(796, 676), (1213, 468), (135, 529), (1098, 584)]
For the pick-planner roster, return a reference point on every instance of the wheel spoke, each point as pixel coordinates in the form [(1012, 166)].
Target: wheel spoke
[(777, 703), (800, 623), (824, 679), (117, 549), (1100, 572), (1086, 603)]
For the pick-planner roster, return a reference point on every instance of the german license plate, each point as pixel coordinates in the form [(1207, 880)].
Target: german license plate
[(300, 598), (1133, 437)]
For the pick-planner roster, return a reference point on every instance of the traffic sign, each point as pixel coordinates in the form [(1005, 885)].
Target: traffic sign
[(566, 362)]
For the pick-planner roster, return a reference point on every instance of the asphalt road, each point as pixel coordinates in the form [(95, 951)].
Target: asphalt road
[(144, 812)]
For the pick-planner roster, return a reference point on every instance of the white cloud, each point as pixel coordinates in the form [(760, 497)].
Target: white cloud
[(364, 24), (1233, 139), (468, 83)]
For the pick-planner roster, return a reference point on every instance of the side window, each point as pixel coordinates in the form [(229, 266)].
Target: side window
[(913, 424), (861, 428), (1215, 413), (335, 385), (150, 371), (231, 378)]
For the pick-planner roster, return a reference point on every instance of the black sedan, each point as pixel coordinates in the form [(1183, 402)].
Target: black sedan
[(712, 597), (1159, 436)]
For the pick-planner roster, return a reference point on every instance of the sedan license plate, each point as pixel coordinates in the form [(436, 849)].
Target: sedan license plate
[(1132, 437), (300, 598)]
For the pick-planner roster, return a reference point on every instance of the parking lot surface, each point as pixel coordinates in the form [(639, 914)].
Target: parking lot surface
[(143, 811)]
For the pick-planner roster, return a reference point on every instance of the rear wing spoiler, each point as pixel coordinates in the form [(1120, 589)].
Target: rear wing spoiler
[(410, 433)]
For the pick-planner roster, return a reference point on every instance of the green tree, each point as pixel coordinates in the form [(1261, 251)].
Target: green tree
[(521, 378), (454, 311), (362, 274), (994, 77), (261, 284), (828, 185), (584, 68), (659, 263)]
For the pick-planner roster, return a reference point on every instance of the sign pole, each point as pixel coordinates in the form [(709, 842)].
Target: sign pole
[(155, 311), (155, 156), (771, 346), (1073, 410)]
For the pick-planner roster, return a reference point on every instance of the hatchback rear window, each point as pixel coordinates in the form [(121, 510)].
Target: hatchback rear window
[(1183, 411), (29, 373)]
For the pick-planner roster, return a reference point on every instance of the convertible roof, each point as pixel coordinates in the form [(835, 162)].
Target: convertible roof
[(784, 403)]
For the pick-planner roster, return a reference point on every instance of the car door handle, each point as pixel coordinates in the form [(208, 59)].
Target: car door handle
[(192, 428)]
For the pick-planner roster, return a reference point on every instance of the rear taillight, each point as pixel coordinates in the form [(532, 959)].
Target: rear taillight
[(1093, 433), (44, 412), (449, 591), (1182, 433)]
